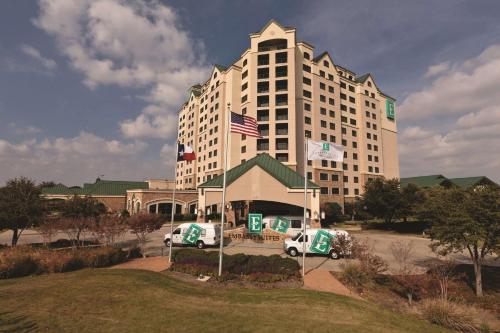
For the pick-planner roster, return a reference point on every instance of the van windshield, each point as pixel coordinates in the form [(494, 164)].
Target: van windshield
[(294, 238)]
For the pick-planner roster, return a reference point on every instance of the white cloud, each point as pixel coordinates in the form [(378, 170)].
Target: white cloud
[(453, 124), (465, 87), (134, 44), (79, 159), (437, 69), (32, 52)]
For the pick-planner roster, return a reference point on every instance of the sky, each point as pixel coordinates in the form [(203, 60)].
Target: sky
[(91, 88)]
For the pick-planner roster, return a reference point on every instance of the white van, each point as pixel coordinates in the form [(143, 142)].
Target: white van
[(293, 246), (210, 235), (294, 225)]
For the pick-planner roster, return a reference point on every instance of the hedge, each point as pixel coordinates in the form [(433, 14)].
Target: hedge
[(195, 262)]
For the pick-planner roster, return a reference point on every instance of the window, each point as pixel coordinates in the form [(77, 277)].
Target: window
[(324, 190), (342, 85), (281, 85), (343, 119), (263, 73), (323, 176), (354, 144), (352, 121), (375, 158), (262, 87), (281, 99), (307, 120), (370, 158), (332, 126), (244, 74), (322, 73), (307, 134), (263, 101), (262, 115), (324, 163), (335, 178), (351, 88), (354, 156), (282, 129), (281, 71), (263, 59), (322, 98), (281, 114), (343, 96), (322, 86), (324, 137), (343, 107), (370, 169), (282, 144), (344, 130), (376, 170), (367, 103), (325, 63), (369, 146), (346, 191), (352, 110), (307, 106), (282, 157), (244, 86), (306, 55), (356, 191), (330, 89), (345, 179), (367, 113), (323, 124), (322, 111), (352, 99), (244, 149), (335, 190), (244, 63), (306, 80), (243, 99), (330, 77), (281, 57), (331, 101), (344, 166), (306, 68), (368, 136), (262, 144), (333, 164), (332, 114), (307, 93), (332, 138), (263, 129), (355, 167)]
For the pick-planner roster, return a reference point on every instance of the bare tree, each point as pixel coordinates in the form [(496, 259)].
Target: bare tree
[(47, 229), (370, 263), (443, 272), (403, 253), (109, 228), (141, 225)]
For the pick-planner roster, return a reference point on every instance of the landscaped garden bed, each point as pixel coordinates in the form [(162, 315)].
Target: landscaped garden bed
[(238, 267)]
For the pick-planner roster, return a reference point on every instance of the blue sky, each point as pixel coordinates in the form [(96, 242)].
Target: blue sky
[(91, 88)]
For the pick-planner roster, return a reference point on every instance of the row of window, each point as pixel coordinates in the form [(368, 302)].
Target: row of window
[(280, 114), (336, 191)]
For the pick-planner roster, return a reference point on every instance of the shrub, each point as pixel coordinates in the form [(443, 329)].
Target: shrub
[(17, 262), (370, 263), (353, 275), (451, 315)]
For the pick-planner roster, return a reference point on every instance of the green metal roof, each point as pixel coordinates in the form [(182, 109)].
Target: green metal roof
[(276, 169), (467, 182), (220, 67), (426, 181), (362, 78), (100, 187)]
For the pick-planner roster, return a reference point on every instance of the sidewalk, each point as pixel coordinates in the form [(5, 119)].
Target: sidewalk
[(323, 280)]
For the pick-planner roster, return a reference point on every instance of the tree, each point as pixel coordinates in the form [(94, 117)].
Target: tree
[(403, 254), (20, 206), (465, 220), (108, 228), (333, 212), (382, 198), (79, 213), (411, 197), (141, 225)]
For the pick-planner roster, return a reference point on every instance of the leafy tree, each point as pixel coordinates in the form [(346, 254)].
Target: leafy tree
[(411, 197), (382, 198), (465, 220), (333, 212), (80, 213), (141, 225), (20, 206)]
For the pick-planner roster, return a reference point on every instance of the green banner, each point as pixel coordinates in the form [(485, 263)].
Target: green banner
[(389, 108), (321, 243), (192, 234), (281, 224), (255, 223)]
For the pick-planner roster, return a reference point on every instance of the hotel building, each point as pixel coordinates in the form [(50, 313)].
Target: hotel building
[(295, 93)]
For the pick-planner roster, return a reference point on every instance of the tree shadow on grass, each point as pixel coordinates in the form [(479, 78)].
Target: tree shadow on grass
[(15, 323)]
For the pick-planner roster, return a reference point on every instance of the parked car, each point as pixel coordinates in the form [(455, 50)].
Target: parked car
[(295, 224), (210, 235), (293, 246)]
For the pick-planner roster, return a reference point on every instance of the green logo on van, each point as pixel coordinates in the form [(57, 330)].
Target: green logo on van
[(322, 242), (255, 223), (192, 234), (281, 225)]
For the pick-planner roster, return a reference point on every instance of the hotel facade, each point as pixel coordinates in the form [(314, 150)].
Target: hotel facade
[(295, 93)]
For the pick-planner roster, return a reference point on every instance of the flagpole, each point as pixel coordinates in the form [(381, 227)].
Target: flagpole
[(223, 217), (173, 200), (304, 236)]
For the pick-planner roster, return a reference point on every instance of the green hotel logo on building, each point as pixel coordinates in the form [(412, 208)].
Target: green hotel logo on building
[(192, 234), (389, 108)]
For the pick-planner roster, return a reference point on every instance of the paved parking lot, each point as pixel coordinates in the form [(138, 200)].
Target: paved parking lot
[(381, 242)]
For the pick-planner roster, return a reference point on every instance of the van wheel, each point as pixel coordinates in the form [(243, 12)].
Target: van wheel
[(167, 242), (200, 245), (293, 252), (334, 255)]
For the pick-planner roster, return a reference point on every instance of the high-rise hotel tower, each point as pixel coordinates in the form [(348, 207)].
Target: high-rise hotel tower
[(294, 93)]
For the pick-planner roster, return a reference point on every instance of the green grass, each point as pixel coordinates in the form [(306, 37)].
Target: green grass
[(137, 301)]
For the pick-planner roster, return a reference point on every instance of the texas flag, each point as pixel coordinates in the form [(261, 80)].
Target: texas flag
[(185, 153)]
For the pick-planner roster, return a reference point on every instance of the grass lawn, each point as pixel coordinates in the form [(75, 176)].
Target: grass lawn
[(103, 300)]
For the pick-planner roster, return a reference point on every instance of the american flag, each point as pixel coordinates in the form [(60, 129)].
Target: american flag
[(244, 125)]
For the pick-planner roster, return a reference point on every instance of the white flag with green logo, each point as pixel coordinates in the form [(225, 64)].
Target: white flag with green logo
[(318, 150)]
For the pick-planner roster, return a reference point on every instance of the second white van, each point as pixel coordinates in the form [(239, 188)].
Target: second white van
[(210, 235)]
